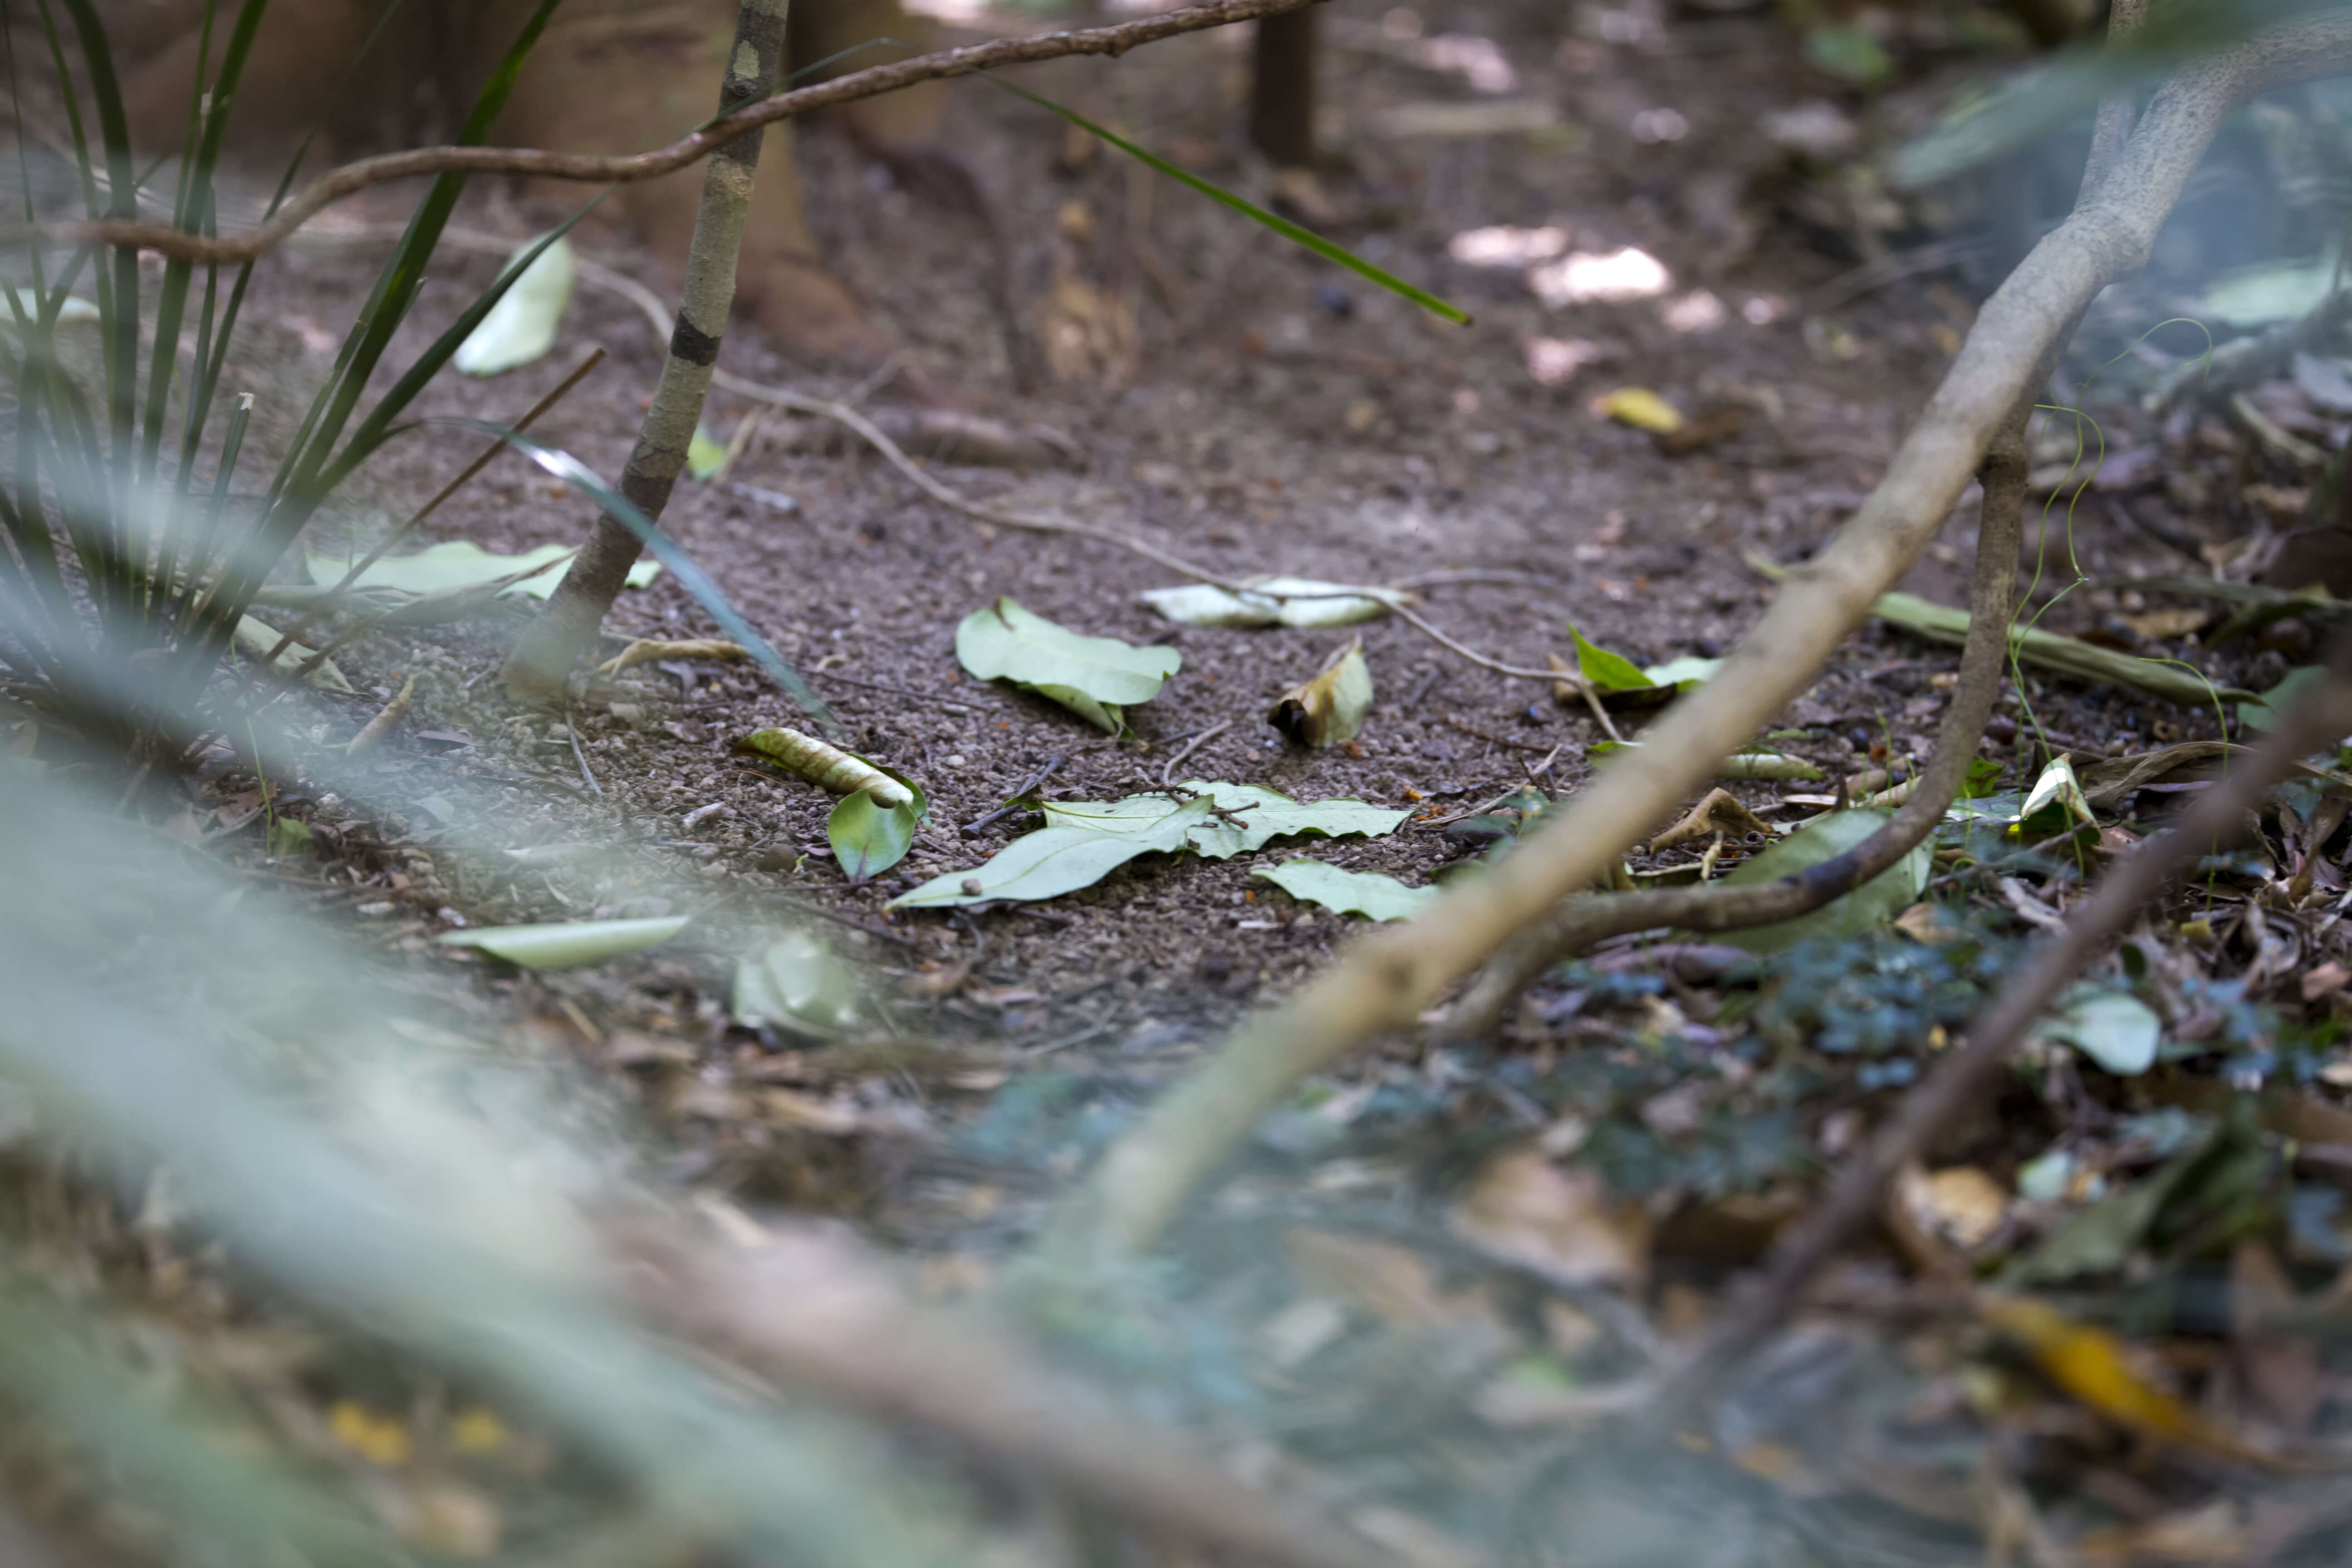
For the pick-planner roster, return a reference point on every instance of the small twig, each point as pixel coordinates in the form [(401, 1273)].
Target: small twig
[(900, 690), (990, 819), (372, 734), (572, 734), (1497, 739), (1167, 769), (2216, 819)]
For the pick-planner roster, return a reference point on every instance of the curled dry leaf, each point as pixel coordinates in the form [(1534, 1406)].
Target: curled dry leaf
[(647, 650), (1719, 812), (373, 734), (823, 765), (1960, 1204), (1329, 709)]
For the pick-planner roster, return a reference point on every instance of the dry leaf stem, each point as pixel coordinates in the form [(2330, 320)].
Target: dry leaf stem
[(1587, 918), (1388, 978)]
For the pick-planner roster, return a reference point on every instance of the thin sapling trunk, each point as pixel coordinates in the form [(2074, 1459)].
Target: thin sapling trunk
[(552, 645), (1282, 89)]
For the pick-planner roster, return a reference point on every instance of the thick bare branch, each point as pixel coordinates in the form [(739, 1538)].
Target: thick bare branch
[(352, 178), (1388, 979)]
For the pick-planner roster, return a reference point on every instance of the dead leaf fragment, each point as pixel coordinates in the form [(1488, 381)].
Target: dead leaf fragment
[(1720, 422), (1959, 1204), (1330, 708), (647, 650), (1719, 812), (1641, 408), (2324, 981), (2169, 622), (371, 736), (1560, 1222)]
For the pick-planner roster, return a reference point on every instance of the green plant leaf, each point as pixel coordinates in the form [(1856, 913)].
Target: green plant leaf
[(2264, 711), (2054, 804), (566, 944), (1682, 673), (1605, 671), (1875, 903), (1349, 892), (256, 639), (1095, 677), (1281, 225), (462, 563), (869, 838), (2114, 1028), (1266, 605), (1265, 814), (523, 325), (1057, 860), (1329, 709), (704, 455), (798, 982), (1848, 53)]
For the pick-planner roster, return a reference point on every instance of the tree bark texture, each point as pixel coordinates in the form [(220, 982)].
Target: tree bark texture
[(1282, 89)]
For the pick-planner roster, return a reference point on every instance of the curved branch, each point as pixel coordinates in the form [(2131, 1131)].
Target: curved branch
[(1582, 921), (352, 178), (1388, 978)]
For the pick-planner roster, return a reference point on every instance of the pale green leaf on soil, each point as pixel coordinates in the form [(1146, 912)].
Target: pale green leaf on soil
[(523, 325), (1874, 903), (1056, 860), (869, 838), (1096, 677), (2114, 1028), (1606, 671), (565, 944), (1349, 892), (255, 639), (2266, 292), (2264, 711), (1207, 605), (798, 982), (1768, 767), (462, 563), (1329, 709), (704, 455), (2054, 804), (288, 835), (1684, 672), (1850, 52), (1262, 815)]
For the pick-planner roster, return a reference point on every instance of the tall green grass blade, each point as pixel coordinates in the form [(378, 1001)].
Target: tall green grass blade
[(665, 550), (1337, 254)]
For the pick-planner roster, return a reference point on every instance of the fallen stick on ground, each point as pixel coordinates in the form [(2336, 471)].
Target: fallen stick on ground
[(1388, 979), (352, 178), (2218, 817), (1587, 919)]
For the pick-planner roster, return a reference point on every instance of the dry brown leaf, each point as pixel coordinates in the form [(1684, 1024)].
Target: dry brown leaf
[(1560, 1223), (1392, 1284), (646, 650), (1330, 708), (1925, 922), (373, 734), (2324, 981), (1959, 1204), (1719, 812), (2282, 1370), (2171, 621)]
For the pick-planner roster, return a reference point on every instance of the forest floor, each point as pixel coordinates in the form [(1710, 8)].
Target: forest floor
[(1400, 1295)]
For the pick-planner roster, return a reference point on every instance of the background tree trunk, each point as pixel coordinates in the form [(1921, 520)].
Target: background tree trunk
[(1282, 95)]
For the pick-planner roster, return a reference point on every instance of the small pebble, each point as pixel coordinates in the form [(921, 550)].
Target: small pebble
[(956, 761)]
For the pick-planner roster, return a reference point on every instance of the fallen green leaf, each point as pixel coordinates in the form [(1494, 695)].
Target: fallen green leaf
[(1329, 709), (1874, 903), (521, 326), (2055, 804), (288, 835), (255, 639), (1605, 671), (1267, 604), (566, 944), (1261, 814), (798, 982), (1095, 677), (2114, 1028), (869, 838), (1349, 892), (1057, 860), (2264, 711), (1684, 672), (462, 563), (704, 455), (1766, 767)]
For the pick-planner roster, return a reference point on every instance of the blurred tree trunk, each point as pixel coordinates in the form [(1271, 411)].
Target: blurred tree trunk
[(1282, 96)]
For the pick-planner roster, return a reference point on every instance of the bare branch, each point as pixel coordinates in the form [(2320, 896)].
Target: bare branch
[(1390, 977), (352, 178)]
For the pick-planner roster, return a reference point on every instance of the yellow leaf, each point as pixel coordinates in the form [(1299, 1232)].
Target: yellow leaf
[(477, 1431), (379, 1439), (1641, 408)]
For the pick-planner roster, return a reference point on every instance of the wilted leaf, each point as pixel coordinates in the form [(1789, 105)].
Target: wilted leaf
[(521, 326), (1329, 709), (1056, 860), (1719, 811), (1641, 408), (843, 773), (1349, 892), (255, 639), (1558, 1222), (2114, 1028), (288, 835), (2055, 804), (1260, 815), (651, 650), (704, 455), (798, 982), (1207, 605), (1874, 903), (1095, 677), (565, 944), (462, 563), (867, 837)]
